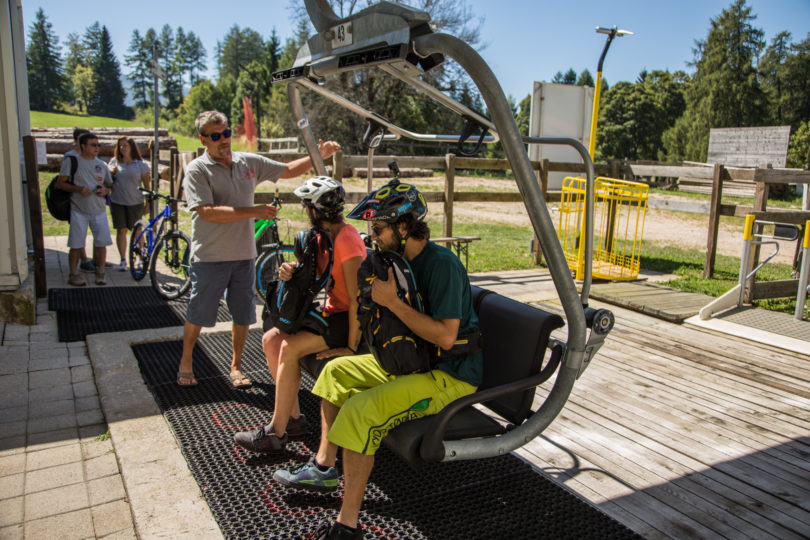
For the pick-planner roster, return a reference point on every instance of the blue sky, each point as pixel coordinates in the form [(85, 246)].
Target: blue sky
[(526, 40)]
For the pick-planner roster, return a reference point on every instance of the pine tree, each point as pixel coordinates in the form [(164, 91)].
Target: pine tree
[(772, 74), (724, 90), (239, 48), (107, 98), (569, 77), (139, 62), (585, 79), (46, 84)]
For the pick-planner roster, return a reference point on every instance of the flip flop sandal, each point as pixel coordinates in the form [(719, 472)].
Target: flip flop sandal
[(235, 379), (188, 375)]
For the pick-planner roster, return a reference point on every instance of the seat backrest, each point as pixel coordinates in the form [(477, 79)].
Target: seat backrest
[(515, 341)]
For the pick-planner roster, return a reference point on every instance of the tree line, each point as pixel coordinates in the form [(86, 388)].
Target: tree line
[(738, 81)]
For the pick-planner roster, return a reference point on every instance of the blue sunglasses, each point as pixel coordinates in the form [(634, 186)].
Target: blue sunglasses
[(216, 136)]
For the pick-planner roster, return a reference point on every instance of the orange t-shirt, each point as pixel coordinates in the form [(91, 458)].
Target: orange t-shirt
[(348, 244)]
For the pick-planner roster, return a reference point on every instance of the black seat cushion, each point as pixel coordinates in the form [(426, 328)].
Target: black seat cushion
[(515, 341)]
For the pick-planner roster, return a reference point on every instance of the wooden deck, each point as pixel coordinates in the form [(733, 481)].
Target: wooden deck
[(656, 300), (683, 432)]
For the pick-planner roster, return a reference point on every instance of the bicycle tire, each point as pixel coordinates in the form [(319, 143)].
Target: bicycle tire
[(267, 266), (169, 265), (138, 253)]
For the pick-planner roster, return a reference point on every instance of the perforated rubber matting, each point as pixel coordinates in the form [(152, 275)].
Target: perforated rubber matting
[(499, 497), (93, 310)]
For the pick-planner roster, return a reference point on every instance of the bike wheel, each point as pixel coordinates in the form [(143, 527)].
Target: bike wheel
[(169, 265), (138, 251), (267, 270)]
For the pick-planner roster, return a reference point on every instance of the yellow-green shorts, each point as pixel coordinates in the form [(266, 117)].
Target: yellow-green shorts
[(372, 402)]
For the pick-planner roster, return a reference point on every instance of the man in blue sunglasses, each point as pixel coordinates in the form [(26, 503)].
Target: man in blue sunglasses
[(219, 188)]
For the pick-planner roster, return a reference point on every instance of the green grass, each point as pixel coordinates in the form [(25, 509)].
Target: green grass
[(41, 119), (688, 266)]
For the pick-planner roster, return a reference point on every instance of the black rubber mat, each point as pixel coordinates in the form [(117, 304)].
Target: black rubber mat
[(93, 310), (494, 498)]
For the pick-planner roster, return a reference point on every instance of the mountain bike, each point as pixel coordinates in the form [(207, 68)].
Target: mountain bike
[(270, 249), (164, 253)]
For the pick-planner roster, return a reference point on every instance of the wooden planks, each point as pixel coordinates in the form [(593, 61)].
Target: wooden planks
[(682, 432), (663, 302)]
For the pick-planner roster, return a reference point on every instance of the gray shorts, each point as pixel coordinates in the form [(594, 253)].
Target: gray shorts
[(124, 216), (209, 280)]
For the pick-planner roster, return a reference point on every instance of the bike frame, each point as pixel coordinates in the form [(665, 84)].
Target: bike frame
[(152, 234)]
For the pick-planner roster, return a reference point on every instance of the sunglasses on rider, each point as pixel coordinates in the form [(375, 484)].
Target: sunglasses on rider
[(216, 136), (377, 230)]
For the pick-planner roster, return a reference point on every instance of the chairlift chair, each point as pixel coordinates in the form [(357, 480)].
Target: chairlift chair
[(400, 41)]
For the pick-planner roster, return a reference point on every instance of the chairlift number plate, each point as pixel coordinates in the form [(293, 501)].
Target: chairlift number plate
[(342, 35)]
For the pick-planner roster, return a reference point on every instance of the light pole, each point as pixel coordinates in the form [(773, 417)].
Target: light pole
[(611, 33)]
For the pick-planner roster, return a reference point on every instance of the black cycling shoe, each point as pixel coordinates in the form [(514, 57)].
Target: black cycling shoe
[(261, 440), (297, 427), (337, 531)]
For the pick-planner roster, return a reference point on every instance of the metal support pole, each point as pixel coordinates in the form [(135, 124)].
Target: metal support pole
[(804, 275)]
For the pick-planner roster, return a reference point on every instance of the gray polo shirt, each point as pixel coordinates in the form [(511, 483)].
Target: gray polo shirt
[(91, 173), (208, 182)]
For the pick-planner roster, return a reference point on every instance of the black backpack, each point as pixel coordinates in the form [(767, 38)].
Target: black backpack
[(58, 200), (290, 302), (396, 347)]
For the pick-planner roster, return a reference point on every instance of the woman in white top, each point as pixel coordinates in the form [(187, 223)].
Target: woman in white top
[(129, 171)]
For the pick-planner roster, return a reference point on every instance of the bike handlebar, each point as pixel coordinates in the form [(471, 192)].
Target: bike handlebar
[(155, 195)]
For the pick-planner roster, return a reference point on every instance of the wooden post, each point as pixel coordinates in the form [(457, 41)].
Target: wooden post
[(35, 213), (714, 220), (337, 166), (615, 168), (542, 179), (449, 189), (760, 205)]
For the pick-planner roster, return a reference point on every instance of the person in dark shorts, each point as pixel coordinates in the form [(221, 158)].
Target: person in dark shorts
[(323, 198), (129, 172), (220, 187)]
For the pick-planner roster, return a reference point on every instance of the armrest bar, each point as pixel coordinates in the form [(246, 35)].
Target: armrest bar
[(432, 448)]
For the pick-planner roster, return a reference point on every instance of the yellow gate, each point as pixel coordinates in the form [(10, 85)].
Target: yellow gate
[(620, 207)]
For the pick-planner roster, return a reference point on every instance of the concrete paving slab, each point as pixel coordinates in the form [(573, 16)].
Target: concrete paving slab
[(14, 532), (51, 423), (53, 393), (56, 501), (13, 464), (110, 518), (106, 489), (81, 373), (11, 511), (54, 477), (52, 439), (14, 363), (14, 414), (77, 524), (53, 456), (12, 486), (48, 377), (101, 466), (13, 428), (50, 408)]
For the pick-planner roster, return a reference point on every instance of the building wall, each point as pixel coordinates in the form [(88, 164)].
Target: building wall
[(13, 201)]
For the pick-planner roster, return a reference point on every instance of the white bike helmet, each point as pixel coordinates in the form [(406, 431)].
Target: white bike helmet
[(322, 193)]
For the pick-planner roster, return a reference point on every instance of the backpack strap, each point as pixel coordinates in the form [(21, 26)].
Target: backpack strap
[(74, 166)]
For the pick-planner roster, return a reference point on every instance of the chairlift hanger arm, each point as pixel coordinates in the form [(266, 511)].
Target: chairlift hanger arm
[(391, 127)]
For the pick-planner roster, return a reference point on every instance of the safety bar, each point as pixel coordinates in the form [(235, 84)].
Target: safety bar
[(390, 126), (804, 274)]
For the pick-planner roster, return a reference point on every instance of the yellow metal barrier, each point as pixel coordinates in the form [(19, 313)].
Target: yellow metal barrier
[(620, 207)]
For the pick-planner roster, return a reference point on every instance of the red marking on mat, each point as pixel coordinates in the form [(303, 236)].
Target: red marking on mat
[(276, 509), (215, 417)]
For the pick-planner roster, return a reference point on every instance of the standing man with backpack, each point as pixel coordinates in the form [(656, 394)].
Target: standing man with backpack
[(88, 207), (361, 402), (220, 187), (84, 264)]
